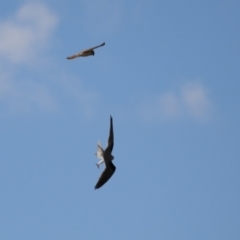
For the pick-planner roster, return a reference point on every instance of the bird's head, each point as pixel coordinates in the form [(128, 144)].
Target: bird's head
[(93, 53)]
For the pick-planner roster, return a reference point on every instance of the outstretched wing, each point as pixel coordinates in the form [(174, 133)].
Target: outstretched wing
[(73, 56), (106, 175), (111, 137), (94, 47)]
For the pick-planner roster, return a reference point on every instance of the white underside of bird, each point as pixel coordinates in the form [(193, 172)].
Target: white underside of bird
[(100, 154)]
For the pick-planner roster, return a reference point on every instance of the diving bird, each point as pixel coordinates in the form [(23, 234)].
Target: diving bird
[(107, 157), (85, 53)]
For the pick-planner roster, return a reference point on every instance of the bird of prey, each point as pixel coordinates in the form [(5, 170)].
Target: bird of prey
[(106, 156), (85, 53)]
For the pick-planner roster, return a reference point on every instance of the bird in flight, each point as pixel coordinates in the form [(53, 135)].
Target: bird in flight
[(85, 53), (106, 156)]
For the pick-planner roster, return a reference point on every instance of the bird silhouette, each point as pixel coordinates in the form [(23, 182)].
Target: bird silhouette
[(85, 53), (106, 156)]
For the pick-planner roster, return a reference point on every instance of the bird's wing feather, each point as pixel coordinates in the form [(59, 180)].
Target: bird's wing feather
[(94, 47), (111, 137), (73, 56), (106, 175)]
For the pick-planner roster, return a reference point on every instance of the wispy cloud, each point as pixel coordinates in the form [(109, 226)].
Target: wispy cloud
[(23, 37), (191, 100), (23, 41), (195, 99), (25, 95)]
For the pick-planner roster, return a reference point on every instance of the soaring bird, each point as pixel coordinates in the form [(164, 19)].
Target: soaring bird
[(107, 157), (85, 53)]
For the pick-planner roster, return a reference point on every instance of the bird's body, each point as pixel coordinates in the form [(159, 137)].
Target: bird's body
[(85, 53), (106, 157)]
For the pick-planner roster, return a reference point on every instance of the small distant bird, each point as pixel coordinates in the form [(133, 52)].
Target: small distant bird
[(106, 156), (85, 53)]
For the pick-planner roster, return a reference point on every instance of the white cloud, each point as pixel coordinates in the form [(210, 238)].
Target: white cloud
[(23, 40), (191, 100), (23, 37), (195, 98)]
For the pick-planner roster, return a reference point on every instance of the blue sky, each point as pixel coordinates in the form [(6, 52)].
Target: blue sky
[(168, 74)]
